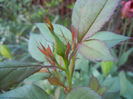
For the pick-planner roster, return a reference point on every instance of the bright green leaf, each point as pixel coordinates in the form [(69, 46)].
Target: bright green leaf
[(89, 16), (111, 39), (106, 67), (12, 73), (83, 93), (95, 50), (26, 92), (4, 51)]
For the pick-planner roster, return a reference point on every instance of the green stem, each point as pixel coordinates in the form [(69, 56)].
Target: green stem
[(129, 34), (68, 74), (69, 80), (60, 67), (124, 32)]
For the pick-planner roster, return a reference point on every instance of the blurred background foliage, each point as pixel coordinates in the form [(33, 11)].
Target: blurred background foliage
[(18, 17)]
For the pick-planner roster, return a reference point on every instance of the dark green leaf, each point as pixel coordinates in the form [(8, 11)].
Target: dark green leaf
[(14, 72), (112, 95), (26, 92)]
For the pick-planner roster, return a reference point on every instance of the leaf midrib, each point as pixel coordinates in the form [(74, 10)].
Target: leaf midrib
[(94, 20)]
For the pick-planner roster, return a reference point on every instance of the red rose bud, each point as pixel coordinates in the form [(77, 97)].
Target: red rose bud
[(48, 53), (51, 61), (74, 36), (49, 24), (68, 49), (43, 51), (59, 47), (127, 9)]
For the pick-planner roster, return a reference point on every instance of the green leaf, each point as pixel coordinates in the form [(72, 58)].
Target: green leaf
[(59, 46), (94, 84), (112, 95), (59, 93), (89, 16), (111, 39), (95, 50), (106, 67), (123, 83), (34, 42), (83, 93), (58, 29), (36, 77), (123, 59), (101, 90), (46, 38), (126, 87), (25, 92), (82, 64), (4, 51), (112, 84), (12, 73)]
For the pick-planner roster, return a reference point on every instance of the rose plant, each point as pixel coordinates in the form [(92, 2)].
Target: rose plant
[(57, 49)]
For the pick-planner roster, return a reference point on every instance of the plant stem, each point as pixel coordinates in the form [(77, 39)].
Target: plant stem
[(72, 65), (68, 74), (129, 34), (124, 32), (59, 66), (69, 80)]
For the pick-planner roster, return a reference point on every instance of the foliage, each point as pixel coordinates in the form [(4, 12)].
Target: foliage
[(4, 51), (68, 61)]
